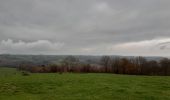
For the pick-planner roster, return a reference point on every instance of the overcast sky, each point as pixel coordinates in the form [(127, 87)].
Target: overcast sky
[(85, 27)]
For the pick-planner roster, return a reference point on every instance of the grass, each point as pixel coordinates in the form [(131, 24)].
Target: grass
[(53, 86)]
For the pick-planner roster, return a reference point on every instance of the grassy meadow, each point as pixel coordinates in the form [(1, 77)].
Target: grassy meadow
[(69, 86)]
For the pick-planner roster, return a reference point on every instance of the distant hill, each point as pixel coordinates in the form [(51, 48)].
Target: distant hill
[(7, 60)]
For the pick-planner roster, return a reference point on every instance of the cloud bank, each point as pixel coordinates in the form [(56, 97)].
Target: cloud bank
[(145, 48), (36, 47)]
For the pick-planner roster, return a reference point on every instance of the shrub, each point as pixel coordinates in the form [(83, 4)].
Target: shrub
[(25, 73)]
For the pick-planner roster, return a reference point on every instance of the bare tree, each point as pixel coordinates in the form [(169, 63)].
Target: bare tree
[(106, 62), (165, 65)]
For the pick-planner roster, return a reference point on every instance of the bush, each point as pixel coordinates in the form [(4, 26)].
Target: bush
[(24, 73)]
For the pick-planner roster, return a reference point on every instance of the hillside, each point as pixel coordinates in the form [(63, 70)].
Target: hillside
[(14, 86)]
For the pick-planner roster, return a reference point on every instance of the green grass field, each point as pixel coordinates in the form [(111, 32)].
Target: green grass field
[(53, 86)]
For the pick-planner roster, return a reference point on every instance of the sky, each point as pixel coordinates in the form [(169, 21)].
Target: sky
[(85, 27)]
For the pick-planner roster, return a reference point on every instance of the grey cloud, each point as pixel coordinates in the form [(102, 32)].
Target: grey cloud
[(84, 24), (36, 47), (164, 45)]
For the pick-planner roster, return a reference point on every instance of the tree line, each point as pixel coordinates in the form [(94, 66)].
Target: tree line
[(107, 64)]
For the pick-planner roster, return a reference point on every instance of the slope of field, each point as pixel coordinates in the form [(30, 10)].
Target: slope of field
[(53, 86)]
